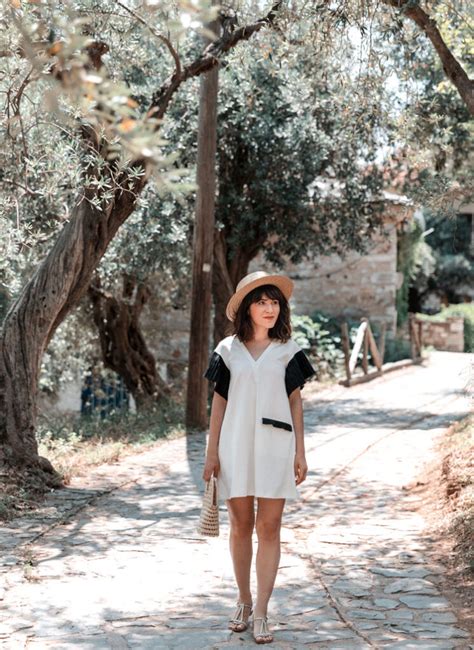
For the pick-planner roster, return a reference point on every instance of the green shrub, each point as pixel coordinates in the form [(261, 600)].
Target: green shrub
[(396, 349), (466, 310), (317, 335), (162, 421), (320, 335)]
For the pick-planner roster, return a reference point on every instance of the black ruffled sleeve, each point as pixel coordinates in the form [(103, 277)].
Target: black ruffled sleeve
[(297, 372), (219, 373)]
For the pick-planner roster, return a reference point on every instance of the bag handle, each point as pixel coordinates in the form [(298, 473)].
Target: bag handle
[(212, 485)]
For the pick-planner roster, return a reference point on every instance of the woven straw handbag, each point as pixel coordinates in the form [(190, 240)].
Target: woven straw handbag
[(209, 520)]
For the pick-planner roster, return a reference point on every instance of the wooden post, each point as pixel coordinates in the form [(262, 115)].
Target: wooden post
[(346, 349), (420, 335), (373, 348), (365, 352), (416, 338), (383, 330), (411, 332), (197, 385)]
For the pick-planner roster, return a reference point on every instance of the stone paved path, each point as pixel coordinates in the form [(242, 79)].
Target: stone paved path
[(118, 564)]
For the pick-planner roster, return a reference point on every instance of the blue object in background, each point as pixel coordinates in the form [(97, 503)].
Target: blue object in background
[(103, 394)]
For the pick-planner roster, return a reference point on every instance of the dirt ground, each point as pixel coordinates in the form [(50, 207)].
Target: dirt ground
[(458, 583)]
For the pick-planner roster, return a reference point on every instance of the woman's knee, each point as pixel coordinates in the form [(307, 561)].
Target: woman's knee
[(268, 530), (241, 526), (241, 516)]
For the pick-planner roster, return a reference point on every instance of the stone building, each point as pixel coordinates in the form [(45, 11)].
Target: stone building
[(358, 285)]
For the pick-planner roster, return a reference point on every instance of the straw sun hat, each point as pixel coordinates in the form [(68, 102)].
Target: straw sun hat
[(252, 281)]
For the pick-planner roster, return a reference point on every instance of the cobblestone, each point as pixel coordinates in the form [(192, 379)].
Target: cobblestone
[(114, 562)]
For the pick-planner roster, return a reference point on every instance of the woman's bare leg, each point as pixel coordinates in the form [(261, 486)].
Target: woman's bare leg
[(242, 521), (268, 525)]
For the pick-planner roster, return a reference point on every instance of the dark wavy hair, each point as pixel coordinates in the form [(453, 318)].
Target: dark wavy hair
[(243, 327)]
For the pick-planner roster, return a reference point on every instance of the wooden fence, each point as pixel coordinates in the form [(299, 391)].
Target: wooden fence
[(365, 342)]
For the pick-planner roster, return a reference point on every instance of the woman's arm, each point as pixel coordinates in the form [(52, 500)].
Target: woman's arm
[(218, 408), (296, 408)]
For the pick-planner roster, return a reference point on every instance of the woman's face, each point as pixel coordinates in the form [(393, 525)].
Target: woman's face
[(265, 311)]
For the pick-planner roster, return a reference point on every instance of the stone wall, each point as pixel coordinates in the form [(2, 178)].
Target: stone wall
[(358, 285), (445, 335)]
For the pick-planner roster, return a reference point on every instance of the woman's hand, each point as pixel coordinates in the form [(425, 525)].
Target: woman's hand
[(211, 467), (301, 468)]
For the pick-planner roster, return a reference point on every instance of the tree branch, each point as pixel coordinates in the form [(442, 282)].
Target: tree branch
[(162, 38), (208, 59), (451, 66)]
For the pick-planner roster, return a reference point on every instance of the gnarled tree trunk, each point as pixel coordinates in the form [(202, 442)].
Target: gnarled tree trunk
[(124, 349), (55, 289)]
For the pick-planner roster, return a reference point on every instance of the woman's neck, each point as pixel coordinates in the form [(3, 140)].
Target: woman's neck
[(260, 334)]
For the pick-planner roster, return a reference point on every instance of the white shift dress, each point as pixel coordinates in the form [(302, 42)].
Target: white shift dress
[(257, 440)]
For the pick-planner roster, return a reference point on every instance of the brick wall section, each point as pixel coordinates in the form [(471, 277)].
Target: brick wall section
[(448, 335)]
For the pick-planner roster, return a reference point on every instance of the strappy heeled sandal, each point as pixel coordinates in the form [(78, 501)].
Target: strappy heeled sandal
[(264, 636), (237, 623)]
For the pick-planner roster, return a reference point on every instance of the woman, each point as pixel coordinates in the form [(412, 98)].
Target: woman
[(256, 446)]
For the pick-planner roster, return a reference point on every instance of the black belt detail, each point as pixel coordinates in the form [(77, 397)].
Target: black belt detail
[(278, 424)]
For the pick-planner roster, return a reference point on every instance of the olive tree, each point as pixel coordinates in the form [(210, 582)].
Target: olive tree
[(120, 147)]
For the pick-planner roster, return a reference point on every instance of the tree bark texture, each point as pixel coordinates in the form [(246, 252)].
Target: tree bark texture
[(451, 66), (54, 290), (197, 387), (123, 346), (222, 287)]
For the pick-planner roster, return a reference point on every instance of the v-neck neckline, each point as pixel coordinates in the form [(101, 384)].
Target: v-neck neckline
[(250, 355)]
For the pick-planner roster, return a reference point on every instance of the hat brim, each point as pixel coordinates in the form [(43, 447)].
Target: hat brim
[(281, 281)]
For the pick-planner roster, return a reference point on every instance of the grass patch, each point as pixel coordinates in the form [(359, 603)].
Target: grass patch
[(74, 444), (458, 480)]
